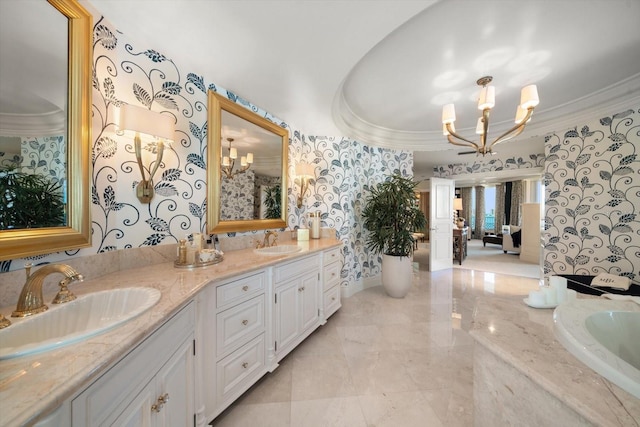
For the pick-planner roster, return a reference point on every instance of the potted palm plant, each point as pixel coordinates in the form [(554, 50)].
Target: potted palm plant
[(391, 215)]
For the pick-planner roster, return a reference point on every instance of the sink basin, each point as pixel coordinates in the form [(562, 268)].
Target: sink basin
[(605, 335), (278, 250), (74, 321)]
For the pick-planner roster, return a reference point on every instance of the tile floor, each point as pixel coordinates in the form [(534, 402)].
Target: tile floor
[(381, 361)]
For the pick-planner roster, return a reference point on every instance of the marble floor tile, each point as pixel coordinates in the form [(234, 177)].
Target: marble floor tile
[(382, 361)]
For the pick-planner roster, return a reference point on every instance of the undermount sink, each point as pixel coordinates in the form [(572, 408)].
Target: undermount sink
[(278, 250), (605, 336), (74, 321)]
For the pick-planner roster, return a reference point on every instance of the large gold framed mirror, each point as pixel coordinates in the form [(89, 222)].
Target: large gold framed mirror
[(45, 95), (246, 169)]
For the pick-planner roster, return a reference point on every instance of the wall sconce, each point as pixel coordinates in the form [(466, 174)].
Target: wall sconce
[(304, 173), (141, 123)]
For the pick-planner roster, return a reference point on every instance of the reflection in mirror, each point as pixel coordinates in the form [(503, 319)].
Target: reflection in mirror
[(45, 103), (246, 169)]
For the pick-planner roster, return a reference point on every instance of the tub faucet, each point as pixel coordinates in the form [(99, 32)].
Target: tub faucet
[(31, 301)]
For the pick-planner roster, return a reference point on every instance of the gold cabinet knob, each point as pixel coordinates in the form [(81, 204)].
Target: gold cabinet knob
[(245, 365), (245, 322), (245, 288)]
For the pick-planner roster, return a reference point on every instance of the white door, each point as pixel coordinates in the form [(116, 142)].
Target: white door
[(441, 224)]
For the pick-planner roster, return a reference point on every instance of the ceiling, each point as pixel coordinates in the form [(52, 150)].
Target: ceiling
[(379, 71)]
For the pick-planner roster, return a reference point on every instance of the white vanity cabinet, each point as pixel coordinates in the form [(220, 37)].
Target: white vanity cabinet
[(297, 301), (151, 386), (331, 267), (233, 327)]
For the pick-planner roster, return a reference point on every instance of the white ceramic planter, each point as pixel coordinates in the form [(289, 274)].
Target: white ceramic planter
[(397, 274)]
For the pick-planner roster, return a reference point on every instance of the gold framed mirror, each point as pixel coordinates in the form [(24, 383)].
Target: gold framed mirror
[(74, 29), (247, 163)]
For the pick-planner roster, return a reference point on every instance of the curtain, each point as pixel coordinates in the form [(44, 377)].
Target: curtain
[(499, 207), (517, 197), (465, 193), (478, 230)]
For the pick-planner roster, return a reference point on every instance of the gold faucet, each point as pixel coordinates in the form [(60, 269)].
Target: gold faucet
[(265, 242), (31, 300)]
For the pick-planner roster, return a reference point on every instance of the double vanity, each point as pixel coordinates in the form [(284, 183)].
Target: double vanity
[(212, 334)]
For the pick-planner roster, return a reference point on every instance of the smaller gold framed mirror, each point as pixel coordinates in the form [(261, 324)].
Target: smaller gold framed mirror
[(247, 161)]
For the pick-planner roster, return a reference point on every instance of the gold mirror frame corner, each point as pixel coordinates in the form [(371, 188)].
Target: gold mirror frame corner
[(216, 104), (77, 234)]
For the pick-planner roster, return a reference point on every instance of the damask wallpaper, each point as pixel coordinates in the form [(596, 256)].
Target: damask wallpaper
[(592, 179), (126, 73)]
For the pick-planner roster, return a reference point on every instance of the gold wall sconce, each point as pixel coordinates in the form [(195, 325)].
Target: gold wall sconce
[(156, 130), (304, 173)]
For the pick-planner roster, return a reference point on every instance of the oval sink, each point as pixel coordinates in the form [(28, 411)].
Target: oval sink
[(278, 250), (74, 321), (605, 336)]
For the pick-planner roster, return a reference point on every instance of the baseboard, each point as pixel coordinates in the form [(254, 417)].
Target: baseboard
[(354, 288)]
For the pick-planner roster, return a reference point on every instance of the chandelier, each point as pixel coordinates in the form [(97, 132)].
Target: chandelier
[(486, 101), (228, 162)]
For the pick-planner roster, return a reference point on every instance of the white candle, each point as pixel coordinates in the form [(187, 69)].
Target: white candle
[(536, 298), (550, 296), (560, 285)]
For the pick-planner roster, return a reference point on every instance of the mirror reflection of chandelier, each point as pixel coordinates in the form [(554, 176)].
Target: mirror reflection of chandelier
[(228, 162)]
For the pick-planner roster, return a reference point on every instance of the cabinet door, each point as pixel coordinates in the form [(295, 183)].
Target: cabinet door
[(138, 413), (286, 310), (310, 300), (174, 385)]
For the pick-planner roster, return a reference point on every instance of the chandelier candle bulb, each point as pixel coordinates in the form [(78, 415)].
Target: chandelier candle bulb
[(233, 153), (225, 161), (249, 157), (243, 161)]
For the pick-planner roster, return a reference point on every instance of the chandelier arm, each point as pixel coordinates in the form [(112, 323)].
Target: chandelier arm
[(454, 142), (514, 131)]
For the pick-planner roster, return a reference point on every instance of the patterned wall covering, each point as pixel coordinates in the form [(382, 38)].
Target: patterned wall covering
[(592, 179), (237, 196), (345, 171), (127, 73), (45, 155), (262, 181), (492, 165)]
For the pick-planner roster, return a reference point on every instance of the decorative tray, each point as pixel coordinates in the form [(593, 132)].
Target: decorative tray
[(216, 260)]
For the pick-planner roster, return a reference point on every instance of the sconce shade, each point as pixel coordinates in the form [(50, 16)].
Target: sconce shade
[(305, 170), (145, 122), (457, 204)]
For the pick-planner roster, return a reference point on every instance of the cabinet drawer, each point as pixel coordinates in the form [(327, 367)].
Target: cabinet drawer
[(240, 369), (331, 275), (240, 290), (296, 268), (331, 301), (239, 324), (332, 255)]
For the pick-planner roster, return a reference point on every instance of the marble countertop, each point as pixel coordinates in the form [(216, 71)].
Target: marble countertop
[(524, 337), (32, 386)]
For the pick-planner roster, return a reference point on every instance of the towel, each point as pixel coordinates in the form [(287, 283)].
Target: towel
[(618, 297), (611, 281)]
